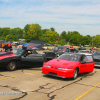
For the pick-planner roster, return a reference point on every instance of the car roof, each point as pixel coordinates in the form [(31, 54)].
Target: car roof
[(85, 50), (24, 49), (85, 53), (60, 47), (79, 53)]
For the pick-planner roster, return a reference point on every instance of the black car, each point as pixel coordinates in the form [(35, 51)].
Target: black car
[(96, 57), (18, 57), (57, 51)]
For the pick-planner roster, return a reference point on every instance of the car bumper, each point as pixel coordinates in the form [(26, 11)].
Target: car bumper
[(57, 72), (97, 64)]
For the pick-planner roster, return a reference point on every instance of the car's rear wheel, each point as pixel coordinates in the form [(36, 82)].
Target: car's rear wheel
[(11, 66), (75, 73)]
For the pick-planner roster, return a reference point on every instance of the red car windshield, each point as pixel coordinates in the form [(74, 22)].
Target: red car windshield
[(70, 57)]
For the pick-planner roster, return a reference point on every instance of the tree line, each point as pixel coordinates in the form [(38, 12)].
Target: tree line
[(50, 36)]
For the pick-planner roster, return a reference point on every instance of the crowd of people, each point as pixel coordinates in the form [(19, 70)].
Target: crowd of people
[(7, 47)]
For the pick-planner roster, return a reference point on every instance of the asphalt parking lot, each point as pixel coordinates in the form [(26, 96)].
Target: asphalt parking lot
[(29, 83)]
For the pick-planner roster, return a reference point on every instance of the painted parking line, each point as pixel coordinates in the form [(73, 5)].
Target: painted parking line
[(19, 75), (87, 92)]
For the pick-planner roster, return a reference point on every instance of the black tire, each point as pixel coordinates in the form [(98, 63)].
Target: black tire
[(75, 73), (11, 66)]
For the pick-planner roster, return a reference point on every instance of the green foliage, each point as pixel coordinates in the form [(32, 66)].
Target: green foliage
[(61, 42), (63, 35), (49, 36), (17, 33), (32, 32), (12, 38), (4, 31), (11, 34), (52, 29), (86, 40), (44, 30), (96, 40), (76, 39)]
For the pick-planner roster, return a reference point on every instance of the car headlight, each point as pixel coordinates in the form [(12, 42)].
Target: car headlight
[(64, 69), (47, 66)]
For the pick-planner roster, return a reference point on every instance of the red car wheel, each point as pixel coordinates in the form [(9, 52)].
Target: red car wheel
[(75, 73)]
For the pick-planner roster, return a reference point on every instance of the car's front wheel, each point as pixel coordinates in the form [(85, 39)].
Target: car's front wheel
[(11, 66), (75, 73)]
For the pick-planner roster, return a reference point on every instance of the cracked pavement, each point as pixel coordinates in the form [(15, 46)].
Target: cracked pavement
[(31, 84)]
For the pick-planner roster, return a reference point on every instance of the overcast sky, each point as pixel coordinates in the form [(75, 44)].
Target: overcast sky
[(63, 15)]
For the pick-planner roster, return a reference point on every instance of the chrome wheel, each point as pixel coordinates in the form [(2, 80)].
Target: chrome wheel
[(75, 73), (11, 65)]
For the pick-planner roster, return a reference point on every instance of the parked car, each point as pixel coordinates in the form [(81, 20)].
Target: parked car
[(15, 43), (82, 48), (96, 57), (57, 51), (85, 51), (18, 57), (69, 65)]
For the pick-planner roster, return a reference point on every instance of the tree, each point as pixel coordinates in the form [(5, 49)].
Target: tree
[(49, 36), (4, 31), (44, 30), (74, 38), (11, 37), (63, 36), (32, 32), (96, 40), (16, 32), (52, 29), (86, 40)]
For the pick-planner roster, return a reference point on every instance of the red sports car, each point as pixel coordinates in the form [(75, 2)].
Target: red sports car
[(69, 65)]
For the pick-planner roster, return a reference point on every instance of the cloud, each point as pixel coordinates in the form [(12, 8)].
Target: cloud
[(63, 15)]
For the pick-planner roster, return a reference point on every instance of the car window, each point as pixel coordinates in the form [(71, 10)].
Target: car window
[(59, 48), (87, 59), (17, 51), (96, 53), (67, 50)]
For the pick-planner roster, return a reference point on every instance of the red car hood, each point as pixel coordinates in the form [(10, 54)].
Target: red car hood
[(58, 63)]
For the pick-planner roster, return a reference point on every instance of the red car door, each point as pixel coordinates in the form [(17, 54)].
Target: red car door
[(87, 64)]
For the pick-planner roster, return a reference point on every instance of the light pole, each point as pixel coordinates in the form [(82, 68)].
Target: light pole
[(92, 41)]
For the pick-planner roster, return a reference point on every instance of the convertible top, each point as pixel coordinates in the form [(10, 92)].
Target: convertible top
[(35, 44)]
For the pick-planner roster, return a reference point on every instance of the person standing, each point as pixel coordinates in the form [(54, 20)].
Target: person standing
[(72, 48), (7, 47)]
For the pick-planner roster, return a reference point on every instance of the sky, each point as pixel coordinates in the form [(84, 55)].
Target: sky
[(63, 15)]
